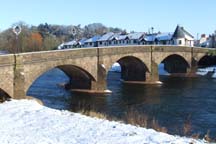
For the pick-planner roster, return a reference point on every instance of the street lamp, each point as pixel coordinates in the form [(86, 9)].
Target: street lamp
[(152, 28), (17, 30)]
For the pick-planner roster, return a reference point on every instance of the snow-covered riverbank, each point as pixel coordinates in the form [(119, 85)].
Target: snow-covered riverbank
[(204, 71), (27, 122)]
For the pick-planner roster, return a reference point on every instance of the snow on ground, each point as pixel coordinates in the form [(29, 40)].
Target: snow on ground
[(27, 122), (204, 71)]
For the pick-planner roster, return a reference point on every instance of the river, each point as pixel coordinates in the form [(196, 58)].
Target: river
[(177, 101)]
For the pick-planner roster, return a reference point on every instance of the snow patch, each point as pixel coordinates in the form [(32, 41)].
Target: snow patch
[(27, 122), (204, 71)]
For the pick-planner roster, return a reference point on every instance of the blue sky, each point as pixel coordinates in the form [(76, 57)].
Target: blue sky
[(197, 16)]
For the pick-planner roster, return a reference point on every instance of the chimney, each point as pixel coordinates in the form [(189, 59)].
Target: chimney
[(203, 36)]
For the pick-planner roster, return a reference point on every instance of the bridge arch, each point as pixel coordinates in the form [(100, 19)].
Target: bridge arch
[(175, 64), (132, 68), (79, 77), (206, 60), (4, 95), (158, 57)]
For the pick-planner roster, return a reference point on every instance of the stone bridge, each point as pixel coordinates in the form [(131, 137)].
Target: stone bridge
[(88, 67)]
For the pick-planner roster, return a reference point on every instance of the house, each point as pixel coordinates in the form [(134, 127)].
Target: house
[(207, 41), (182, 38), (135, 37), (92, 42), (212, 41), (147, 39), (68, 45), (203, 41), (125, 39), (60, 46), (164, 39), (81, 42), (104, 39), (115, 39)]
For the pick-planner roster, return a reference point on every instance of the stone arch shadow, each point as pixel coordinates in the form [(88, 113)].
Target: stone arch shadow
[(175, 63), (132, 68), (4, 95), (79, 78), (206, 61)]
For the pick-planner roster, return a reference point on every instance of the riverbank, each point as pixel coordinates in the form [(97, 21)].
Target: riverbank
[(25, 121)]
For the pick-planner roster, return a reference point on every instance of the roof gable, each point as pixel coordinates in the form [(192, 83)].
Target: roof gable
[(136, 35), (106, 36), (180, 32)]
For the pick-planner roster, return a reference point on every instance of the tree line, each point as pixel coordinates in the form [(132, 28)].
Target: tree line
[(48, 36)]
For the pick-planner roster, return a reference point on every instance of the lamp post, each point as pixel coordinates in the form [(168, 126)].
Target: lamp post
[(152, 28), (17, 30)]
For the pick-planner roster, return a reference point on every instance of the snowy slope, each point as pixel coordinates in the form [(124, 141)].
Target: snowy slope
[(27, 122)]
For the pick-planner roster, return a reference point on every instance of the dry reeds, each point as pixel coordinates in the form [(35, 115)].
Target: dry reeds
[(92, 113), (141, 119)]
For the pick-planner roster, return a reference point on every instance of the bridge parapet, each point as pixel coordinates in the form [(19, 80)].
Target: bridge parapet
[(58, 55), (169, 48)]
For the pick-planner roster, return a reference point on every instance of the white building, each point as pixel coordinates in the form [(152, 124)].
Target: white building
[(182, 38)]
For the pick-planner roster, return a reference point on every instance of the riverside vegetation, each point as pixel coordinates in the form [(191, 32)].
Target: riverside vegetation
[(136, 118)]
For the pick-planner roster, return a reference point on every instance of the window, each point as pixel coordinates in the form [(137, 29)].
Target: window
[(100, 42), (90, 43), (180, 42)]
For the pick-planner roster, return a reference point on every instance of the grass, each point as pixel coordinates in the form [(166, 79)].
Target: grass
[(187, 126), (93, 114)]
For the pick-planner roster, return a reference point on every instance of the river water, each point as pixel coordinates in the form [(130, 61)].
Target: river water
[(177, 101)]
